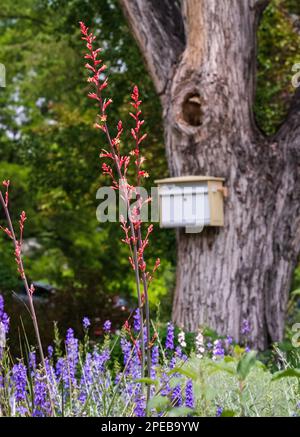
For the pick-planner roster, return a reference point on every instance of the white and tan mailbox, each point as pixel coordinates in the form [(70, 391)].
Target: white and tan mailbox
[(191, 202)]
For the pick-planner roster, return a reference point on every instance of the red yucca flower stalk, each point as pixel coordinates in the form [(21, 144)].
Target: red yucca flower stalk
[(132, 224), (10, 232)]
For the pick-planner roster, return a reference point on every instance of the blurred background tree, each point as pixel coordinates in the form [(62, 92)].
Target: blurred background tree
[(50, 152)]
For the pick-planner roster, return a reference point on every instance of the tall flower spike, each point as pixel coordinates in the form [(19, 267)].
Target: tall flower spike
[(170, 336), (120, 164), (29, 290), (189, 394)]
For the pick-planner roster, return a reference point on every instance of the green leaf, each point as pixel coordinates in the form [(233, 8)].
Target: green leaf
[(238, 350), (148, 381), (179, 412), (287, 373), (159, 403), (189, 373), (245, 364), (285, 346), (221, 367), (229, 359), (296, 292), (261, 365), (228, 413)]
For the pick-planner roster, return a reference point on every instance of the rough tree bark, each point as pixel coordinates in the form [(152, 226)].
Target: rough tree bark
[(202, 58)]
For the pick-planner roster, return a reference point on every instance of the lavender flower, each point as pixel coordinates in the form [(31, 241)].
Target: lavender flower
[(126, 349), (65, 373), (32, 361), (228, 343), (140, 406), (72, 355), (60, 368), (145, 337), (136, 363), (100, 360), (219, 411), (86, 323), (229, 339), (218, 351), (51, 377), (178, 352), (4, 319), (50, 351), (41, 402), (172, 363), (137, 320), (107, 326), (176, 396), (245, 327), (189, 394), (19, 378), (170, 337), (154, 360), (87, 378), (165, 384)]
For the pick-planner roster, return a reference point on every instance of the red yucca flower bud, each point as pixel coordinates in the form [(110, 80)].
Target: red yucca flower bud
[(6, 185)]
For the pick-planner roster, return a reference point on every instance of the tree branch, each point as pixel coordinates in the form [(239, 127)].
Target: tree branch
[(157, 26)]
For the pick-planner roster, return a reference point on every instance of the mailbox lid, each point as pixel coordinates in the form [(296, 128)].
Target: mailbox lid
[(187, 179)]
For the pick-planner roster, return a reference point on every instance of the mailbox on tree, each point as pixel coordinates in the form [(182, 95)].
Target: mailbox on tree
[(191, 202)]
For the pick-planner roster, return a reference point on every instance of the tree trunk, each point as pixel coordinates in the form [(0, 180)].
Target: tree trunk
[(202, 58)]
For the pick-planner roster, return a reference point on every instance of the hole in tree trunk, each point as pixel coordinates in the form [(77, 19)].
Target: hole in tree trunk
[(191, 109)]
